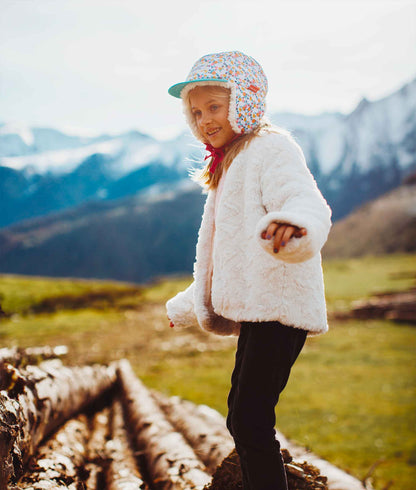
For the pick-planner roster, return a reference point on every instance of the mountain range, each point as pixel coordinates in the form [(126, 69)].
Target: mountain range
[(123, 206), (53, 172), (354, 158), (139, 238)]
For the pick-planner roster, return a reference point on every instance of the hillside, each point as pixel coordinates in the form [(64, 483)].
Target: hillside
[(132, 239), (385, 225)]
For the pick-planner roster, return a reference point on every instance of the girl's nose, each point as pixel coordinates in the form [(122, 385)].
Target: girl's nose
[(205, 118)]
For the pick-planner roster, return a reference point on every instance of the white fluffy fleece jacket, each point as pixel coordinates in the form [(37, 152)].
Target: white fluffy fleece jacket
[(237, 276)]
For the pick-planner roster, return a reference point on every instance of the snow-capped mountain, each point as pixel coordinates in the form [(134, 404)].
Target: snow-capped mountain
[(42, 150), (17, 139), (362, 138), (354, 157), (67, 173), (359, 156)]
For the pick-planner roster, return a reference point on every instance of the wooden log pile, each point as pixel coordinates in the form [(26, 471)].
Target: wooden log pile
[(99, 427), (399, 307), (37, 400)]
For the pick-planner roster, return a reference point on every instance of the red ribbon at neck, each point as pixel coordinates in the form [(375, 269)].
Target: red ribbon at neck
[(217, 154)]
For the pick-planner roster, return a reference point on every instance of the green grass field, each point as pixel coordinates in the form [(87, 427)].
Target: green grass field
[(352, 393)]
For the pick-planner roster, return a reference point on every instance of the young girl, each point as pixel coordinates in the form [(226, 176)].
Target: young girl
[(258, 267)]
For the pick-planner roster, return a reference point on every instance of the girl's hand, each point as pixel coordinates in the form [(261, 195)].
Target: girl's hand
[(281, 233), (171, 324)]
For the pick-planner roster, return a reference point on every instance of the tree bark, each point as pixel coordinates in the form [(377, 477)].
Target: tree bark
[(59, 461), (97, 459), (123, 473), (171, 462)]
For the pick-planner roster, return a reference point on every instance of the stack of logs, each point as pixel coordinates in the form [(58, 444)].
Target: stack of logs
[(400, 307), (99, 427), (396, 306)]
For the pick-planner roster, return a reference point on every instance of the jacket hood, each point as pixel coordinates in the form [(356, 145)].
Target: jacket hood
[(242, 75)]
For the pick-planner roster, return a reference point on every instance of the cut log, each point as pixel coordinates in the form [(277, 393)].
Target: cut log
[(205, 434), (336, 478), (48, 395), (171, 462), (59, 461), (123, 473), (206, 431)]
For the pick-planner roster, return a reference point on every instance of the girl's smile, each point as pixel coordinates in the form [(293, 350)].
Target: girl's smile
[(209, 106)]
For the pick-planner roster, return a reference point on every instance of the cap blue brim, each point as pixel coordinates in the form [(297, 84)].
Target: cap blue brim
[(176, 89)]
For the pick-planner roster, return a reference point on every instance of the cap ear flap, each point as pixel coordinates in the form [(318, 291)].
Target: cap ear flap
[(232, 110)]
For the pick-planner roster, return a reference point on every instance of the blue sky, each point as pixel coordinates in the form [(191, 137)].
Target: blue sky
[(105, 65)]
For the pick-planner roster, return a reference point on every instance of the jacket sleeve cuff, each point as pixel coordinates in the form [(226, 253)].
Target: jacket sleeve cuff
[(297, 249), (180, 309)]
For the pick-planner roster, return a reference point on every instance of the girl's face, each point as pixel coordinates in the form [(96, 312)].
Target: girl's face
[(209, 106)]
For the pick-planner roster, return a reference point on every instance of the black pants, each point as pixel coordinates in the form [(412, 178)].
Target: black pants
[(265, 354)]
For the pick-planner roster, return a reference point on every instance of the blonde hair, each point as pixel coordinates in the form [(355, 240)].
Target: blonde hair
[(204, 176)]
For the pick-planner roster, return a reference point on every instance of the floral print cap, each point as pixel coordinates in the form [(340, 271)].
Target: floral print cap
[(234, 70)]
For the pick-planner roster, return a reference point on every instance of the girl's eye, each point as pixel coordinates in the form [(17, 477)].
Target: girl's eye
[(197, 113), (214, 107)]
